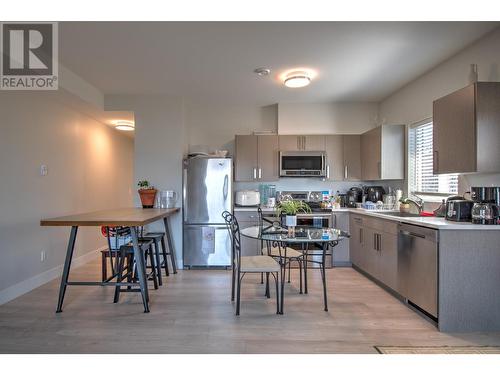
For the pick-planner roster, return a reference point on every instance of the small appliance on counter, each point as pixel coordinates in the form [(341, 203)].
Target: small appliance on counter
[(374, 193), (266, 191), (486, 202), (247, 198), (354, 195), (458, 209)]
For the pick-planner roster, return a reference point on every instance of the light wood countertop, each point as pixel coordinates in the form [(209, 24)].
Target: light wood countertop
[(115, 217)]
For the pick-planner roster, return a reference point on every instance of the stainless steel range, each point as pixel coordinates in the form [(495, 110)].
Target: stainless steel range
[(319, 217)]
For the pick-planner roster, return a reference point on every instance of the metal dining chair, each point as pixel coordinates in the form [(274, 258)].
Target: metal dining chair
[(241, 265), (285, 255)]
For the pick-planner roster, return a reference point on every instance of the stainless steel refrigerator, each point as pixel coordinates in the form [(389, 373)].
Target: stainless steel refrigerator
[(207, 192)]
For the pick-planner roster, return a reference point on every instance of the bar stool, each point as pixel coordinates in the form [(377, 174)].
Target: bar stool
[(156, 240), (155, 236), (126, 252)]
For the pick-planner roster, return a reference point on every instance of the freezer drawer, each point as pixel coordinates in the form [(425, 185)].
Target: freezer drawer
[(418, 266), (206, 245)]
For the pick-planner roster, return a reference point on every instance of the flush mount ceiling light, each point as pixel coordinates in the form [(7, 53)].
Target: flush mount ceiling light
[(297, 79), (127, 126)]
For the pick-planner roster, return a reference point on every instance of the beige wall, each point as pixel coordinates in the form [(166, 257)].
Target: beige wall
[(413, 102), (326, 118), (159, 147), (90, 167), (215, 124)]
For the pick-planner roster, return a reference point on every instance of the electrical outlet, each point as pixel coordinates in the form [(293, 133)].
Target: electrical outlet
[(43, 256), (43, 170)]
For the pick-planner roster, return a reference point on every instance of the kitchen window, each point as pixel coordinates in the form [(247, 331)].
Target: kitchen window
[(420, 177)]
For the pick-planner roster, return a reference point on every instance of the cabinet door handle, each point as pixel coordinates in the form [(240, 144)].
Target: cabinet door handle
[(379, 237), (345, 172), (328, 171), (360, 235), (260, 173), (298, 142), (379, 167), (255, 173), (375, 241)]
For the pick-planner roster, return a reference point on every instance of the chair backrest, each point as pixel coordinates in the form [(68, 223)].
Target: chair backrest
[(234, 233), (115, 233)]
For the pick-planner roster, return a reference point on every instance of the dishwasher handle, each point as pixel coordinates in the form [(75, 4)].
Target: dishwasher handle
[(416, 231), (411, 234)]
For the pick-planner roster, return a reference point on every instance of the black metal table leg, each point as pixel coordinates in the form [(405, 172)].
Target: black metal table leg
[(67, 266), (305, 267), (141, 269), (168, 234), (283, 278), (323, 274), (158, 263)]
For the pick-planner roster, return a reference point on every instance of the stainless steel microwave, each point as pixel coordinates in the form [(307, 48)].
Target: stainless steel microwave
[(302, 164)]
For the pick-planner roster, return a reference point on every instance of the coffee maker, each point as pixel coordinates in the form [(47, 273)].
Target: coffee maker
[(354, 195), (486, 205)]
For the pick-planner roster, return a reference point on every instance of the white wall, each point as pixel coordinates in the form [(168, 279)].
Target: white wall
[(159, 146), (413, 102), (215, 124), (89, 168), (326, 118)]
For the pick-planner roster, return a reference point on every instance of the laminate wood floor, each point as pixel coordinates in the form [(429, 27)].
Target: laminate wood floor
[(192, 313)]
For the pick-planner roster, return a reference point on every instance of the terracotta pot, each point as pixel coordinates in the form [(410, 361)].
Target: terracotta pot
[(148, 197)]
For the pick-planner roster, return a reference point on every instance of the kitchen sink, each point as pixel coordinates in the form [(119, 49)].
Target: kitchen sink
[(401, 214)]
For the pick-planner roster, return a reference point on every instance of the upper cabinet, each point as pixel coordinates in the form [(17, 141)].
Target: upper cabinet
[(343, 157), (256, 158), (352, 157), (334, 147), (466, 130), (382, 153), (375, 155), (302, 142)]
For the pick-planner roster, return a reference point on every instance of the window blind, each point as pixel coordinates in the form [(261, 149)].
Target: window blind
[(422, 180)]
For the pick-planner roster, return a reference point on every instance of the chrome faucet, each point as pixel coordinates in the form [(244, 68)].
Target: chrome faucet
[(418, 202)]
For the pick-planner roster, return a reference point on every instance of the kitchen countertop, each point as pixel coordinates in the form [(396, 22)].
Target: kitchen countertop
[(424, 221)]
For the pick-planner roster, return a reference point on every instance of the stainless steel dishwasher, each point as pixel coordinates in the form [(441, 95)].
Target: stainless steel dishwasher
[(418, 266)]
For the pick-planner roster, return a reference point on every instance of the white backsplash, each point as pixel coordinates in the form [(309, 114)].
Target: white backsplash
[(313, 184)]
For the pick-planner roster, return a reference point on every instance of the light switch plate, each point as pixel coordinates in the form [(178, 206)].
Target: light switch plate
[(43, 170)]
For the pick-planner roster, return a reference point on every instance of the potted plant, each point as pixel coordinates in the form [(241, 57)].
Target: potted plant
[(404, 205), (290, 209), (147, 194)]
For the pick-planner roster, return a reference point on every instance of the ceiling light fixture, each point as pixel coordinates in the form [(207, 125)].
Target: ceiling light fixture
[(297, 79), (262, 71), (127, 126)]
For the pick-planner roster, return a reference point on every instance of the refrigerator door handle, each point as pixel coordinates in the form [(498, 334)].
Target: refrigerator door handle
[(224, 188)]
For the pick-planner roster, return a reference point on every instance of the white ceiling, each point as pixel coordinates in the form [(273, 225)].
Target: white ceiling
[(355, 61)]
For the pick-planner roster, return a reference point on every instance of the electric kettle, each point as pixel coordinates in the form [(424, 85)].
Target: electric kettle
[(485, 213)]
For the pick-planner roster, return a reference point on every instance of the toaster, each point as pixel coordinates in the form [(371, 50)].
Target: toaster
[(247, 198), (459, 210)]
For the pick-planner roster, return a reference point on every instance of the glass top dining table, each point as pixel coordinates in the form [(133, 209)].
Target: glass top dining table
[(300, 237), (301, 234)]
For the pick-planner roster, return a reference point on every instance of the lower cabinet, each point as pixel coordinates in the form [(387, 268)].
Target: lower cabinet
[(341, 251), (356, 241), (388, 262), (374, 248)]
